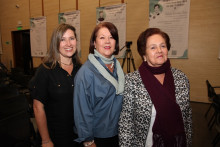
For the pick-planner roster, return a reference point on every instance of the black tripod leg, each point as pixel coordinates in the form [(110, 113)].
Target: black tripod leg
[(129, 57), (128, 65), (132, 60), (128, 62), (123, 62)]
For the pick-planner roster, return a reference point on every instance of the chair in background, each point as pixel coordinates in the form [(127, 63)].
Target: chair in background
[(16, 128), (211, 95), (215, 102), (217, 123), (8, 91)]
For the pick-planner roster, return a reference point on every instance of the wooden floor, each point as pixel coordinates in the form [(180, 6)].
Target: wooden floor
[(202, 135)]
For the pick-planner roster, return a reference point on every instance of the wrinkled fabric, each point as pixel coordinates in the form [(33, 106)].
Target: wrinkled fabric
[(168, 123), (136, 112), (96, 105)]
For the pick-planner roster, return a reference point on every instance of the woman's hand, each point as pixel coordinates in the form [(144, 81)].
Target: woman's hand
[(93, 145), (89, 144), (41, 120), (47, 144)]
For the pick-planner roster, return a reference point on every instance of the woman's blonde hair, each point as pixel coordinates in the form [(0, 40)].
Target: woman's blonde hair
[(53, 55)]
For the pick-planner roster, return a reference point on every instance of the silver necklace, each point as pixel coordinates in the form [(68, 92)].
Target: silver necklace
[(66, 64), (111, 65)]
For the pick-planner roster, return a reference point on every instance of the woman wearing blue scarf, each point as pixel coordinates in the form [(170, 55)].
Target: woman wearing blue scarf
[(99, 86)]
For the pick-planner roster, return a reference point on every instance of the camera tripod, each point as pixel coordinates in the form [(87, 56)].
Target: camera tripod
[(129, 57)]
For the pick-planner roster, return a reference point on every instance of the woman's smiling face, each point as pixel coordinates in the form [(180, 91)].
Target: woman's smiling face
[(105, 43), (156, 53)]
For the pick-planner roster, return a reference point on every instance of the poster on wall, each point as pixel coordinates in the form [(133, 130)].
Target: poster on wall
[(72, 18), (38, 35), (0, 43), (172, 17), (115, 14)]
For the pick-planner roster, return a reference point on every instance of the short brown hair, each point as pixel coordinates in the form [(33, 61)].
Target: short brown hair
[(142, 39), (112, 29)]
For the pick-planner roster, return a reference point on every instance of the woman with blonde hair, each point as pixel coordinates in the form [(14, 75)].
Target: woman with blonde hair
[(52, 89)]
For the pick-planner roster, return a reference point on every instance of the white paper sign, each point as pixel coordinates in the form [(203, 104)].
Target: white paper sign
[(38, 37), (72, 18), (172, 17), (117, 15)]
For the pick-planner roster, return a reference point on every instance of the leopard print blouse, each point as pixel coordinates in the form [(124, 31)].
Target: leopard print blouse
[(137, 106)]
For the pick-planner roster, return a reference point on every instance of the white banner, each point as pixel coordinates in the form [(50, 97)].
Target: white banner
[(115, 14), (172, 17), (72, 18), (38, 35)]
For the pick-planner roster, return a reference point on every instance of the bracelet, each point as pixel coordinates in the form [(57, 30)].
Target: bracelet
[(45, 142), (88, 143)]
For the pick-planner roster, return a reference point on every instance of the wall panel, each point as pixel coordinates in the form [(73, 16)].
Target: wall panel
[(204, 43), (88, 22), (67, 5), (36, 8), (51, 11), (137, 14), (109, 2), (10, 16), (204, 33)]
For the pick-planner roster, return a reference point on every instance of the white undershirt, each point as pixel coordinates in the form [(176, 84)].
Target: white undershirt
[(149, 141)]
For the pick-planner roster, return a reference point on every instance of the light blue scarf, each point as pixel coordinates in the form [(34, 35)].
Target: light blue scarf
[(104, 59), (119, 85)]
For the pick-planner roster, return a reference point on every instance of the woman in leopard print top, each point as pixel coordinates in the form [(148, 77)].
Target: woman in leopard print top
[(156, 109)]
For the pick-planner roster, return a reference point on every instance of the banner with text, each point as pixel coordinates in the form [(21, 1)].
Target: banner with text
[(72, 18), (115, 14), (172, 17), (38, 35)]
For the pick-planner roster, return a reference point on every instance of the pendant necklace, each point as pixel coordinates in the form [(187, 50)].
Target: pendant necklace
[(65, 63)]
